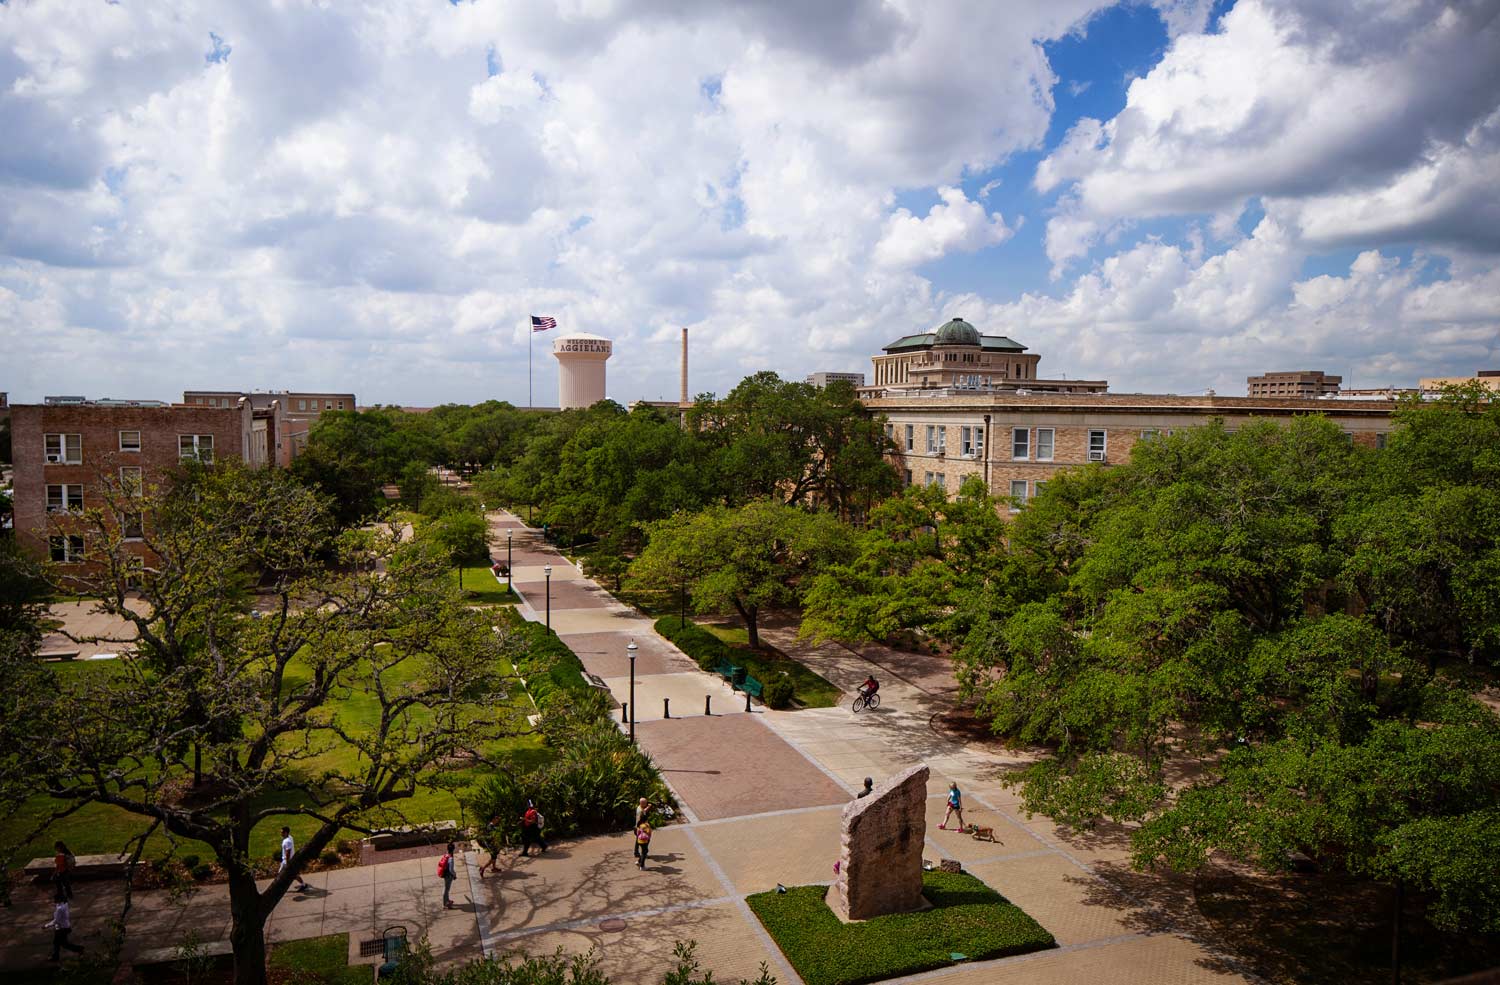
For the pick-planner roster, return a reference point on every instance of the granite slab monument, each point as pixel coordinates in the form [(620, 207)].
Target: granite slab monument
[(880, 858)]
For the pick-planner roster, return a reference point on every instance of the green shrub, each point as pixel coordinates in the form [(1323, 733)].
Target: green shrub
[(202, 871), (552, 672), (778, 693), (966, 917), (692, 639), (330, 857), (190, 862)]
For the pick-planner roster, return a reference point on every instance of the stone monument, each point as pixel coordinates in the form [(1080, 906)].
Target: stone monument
[(880, 861)]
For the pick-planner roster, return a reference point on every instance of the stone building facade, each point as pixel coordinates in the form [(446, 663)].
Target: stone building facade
[(1015, 443), (65, 454), (956, 356), (284, 417)]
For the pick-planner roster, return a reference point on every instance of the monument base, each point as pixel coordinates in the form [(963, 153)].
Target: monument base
[(839, 911)]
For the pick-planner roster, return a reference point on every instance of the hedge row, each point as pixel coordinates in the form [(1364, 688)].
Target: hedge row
[(780, 676), (548, 665)]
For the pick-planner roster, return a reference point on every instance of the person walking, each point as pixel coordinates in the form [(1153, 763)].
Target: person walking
[(531, 830), (288, 849), (491, 843), (642, 842), (63, 864), (955, 806), (448, 871), (61, 926)]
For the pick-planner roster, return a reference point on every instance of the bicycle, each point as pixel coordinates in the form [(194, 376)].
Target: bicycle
[(866, 701)]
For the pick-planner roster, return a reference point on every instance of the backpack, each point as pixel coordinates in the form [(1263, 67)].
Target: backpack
[(442, 866), (70, 862)]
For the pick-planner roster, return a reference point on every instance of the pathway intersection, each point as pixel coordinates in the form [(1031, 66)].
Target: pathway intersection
[(761, 792)]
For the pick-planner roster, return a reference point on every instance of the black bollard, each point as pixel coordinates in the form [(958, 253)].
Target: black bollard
[(624, 711), (706, 706), (666, 707), (747, 700)]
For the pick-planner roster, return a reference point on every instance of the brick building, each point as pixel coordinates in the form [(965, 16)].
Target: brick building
[(283, 417), (1310, 383), (65, 453)]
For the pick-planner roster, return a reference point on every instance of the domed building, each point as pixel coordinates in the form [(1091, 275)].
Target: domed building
[(954, 355)]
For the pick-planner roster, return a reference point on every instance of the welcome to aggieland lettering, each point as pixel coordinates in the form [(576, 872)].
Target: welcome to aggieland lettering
[(583, 345)]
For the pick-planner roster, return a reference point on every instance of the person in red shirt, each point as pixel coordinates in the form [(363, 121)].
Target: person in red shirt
[(531, 830)]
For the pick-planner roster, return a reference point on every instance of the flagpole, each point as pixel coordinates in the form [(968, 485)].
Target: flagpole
[(529, 333)]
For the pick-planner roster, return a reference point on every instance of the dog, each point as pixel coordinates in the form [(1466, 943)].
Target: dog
[(983, 834)]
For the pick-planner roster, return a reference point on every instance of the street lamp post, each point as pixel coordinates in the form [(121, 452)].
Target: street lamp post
[(683, 604), (630, 649), (547, 571), (508, 576)]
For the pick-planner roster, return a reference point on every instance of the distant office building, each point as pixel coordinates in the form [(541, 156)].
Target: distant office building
[(821, 380), (956, 358), (283, 417), (1307, 383), (66, 454), (1487, 378), (580, 369)]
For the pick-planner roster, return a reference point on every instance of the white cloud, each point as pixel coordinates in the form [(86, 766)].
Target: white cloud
[(1358, 122), (953, 224)]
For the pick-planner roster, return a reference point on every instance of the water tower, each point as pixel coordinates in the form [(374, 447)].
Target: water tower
[(580, 369)]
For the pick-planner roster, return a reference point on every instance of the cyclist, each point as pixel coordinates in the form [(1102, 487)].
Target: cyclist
[(869, 687)]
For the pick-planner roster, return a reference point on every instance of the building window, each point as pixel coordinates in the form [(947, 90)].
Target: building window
[(341, 405), (66, 550), (1349, 437), (64, 498), (908, 477), (1098, 445), (328, 405), (302, 405), (1380, 440), (911, 441), (1149, 433), (199, 446), (135, 571), (131, 527), (130, 480), (130, 441), (1037, 487), (939, 480), (973, 442), (1045, 441), (1020, 443), (937, 439), (64, 449), (1017, 494)]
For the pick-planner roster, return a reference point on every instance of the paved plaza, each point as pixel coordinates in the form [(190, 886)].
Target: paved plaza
[(761, 794)]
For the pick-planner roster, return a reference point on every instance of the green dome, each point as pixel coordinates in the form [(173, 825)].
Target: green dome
[(957, 332)]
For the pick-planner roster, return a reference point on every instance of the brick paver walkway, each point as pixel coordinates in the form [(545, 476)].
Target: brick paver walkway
[(764, 794)]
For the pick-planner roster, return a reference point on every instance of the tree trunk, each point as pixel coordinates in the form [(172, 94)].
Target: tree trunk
[(752, 627), (1396, 933), (247, 932)]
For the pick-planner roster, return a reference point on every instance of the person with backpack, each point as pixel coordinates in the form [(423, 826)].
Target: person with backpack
[(63, 863), (448, 871), (531, 830), (642, 842), (491, 842)]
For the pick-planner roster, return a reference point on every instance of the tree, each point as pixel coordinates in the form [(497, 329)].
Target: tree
[(261, 698), (1257, 602), (461, 536), (755, 557), (417, 481)]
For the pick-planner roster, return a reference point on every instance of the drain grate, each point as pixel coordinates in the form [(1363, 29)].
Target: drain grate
[(368, 949)]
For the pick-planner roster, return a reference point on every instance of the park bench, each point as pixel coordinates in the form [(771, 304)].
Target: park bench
[(85, 867), (752, 687), (58, 655), (170, 955), (409, 835)]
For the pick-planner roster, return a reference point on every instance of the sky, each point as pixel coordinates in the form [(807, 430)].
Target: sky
[(1171, 195)]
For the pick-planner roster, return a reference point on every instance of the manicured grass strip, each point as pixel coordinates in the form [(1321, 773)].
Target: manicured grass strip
[(967, 917), (324, 960), (707, 648), (481, 587), (550, 667)]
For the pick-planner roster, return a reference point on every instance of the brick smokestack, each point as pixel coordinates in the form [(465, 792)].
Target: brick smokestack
[(684, 398)]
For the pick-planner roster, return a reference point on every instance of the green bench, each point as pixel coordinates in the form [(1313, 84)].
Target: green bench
[(752, 687), (730, 672)]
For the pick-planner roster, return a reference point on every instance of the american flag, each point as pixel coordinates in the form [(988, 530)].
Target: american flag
[(541, 324)]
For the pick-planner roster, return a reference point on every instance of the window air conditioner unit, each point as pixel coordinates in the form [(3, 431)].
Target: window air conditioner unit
[(1096, 456), (53, 459)]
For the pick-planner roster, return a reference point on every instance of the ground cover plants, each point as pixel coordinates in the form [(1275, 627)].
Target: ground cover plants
[(967, 918)]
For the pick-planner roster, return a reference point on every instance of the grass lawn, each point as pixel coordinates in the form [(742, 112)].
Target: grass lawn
[(99, 829), (324, 960), (967, 918), (481, 587)]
